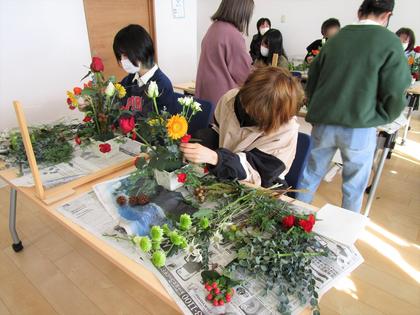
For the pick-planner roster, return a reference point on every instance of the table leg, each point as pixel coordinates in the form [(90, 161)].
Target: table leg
[(407, 127), (17, 244)]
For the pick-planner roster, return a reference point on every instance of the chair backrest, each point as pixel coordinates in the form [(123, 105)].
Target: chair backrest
[(202, 119), (299, 163)]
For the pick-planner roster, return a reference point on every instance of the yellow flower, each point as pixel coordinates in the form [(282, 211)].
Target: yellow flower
[(120, 89), (154, 122), (73, 98), (177, 127)]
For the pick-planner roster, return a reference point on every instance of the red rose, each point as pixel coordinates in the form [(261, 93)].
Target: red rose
[(89, 84), (416, 76), (69, 101), (72, 107), (127, 124), (182, 178), (311, 219), (288, 221), (87, 119), (97, 65), (105, 147), (186, 138), (315, 52), (306, 225), (78, 140), (77, 91), (417, 49)]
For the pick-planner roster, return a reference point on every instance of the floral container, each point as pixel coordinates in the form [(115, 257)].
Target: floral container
[(168, 180)]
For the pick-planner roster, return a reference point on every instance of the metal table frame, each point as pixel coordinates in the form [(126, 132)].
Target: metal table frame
[(17, 243)]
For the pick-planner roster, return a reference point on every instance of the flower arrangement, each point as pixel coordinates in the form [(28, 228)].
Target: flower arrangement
[(414, 63), (100, 101), (161, 133)]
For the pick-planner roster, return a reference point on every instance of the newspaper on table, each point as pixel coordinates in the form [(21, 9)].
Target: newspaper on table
[(181, 277), (85, 161)]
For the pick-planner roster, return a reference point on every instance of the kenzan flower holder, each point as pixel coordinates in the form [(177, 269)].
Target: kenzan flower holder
[(60, 192), (168, 180)]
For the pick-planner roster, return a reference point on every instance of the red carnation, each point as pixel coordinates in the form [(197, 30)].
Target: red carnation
[(315, 52), (416, 76), (417, 49), (89, 84), (72, 107), (69, 101), (77, 91), (87, 119), (306, 225), (311, 219), (97, 65), (288, 221), (186, 138), (78, 140), (105, 147), (127, 124), (182, 178)]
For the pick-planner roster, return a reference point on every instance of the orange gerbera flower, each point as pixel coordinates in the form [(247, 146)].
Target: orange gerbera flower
[(177, 127)]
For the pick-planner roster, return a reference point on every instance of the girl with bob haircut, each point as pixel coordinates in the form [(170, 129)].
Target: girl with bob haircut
[(254, 135), (134, 51), (224, 61), (407, 38), (263, 26)]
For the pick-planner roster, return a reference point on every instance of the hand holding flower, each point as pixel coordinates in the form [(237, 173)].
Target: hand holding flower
[(197, 153)]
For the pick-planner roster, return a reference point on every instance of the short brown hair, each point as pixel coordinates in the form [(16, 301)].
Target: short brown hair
[(236, 12), (271, 96)]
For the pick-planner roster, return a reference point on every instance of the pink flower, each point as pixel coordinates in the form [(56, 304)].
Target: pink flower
[(105, 147)]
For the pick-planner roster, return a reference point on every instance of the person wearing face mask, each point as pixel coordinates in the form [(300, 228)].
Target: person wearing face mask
[(263, 25), (408, 40), (134, 51), (272, 43), (349, 97), (329, 28)]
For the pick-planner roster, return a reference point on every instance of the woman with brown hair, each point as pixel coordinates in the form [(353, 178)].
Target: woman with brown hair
[(255, 132), (224, 61)]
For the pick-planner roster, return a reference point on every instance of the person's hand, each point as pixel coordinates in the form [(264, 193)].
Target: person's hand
[(197, 153)]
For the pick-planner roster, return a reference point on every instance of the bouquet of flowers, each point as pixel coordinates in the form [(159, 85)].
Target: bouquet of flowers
[(100, 100), (161, 132), (414, 63)]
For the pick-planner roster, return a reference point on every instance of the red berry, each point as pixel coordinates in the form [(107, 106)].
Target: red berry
[(208, 288), (209, 297), (215, 302), (228, 299), (214, 285), (217, 290), (221, 302), (228, 296)]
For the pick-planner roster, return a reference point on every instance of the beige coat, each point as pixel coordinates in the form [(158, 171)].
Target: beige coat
[(281, 143)]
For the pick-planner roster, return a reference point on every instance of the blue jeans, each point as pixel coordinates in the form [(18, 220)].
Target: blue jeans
[(357, 147)]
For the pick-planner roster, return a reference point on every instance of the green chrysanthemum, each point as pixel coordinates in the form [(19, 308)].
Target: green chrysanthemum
[(176, 239), (145, 244), (204, 223), (185, 221), (156, 233), (159, 258), (166, 229)]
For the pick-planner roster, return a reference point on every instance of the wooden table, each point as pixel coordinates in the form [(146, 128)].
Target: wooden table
[(413, 94), (187, 87), (135, 270)]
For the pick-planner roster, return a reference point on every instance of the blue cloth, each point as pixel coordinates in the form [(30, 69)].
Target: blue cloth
[(137, 100), (357, 146)]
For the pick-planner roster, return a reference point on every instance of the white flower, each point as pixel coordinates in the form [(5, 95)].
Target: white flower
[(196, 107), (153, 90), (110, 89), (216, 239), (198, 258), (186, 101), (226, 226), (193, 251)]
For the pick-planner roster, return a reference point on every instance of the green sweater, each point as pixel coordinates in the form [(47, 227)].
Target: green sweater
[(358, 79)]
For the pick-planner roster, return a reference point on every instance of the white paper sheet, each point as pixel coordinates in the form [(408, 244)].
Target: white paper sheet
[(340, 225)]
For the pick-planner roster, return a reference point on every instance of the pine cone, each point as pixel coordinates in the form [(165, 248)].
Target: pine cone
[(133, 201), (143, 199), (121, 200), (200, 194)]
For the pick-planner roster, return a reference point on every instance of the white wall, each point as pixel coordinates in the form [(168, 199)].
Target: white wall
[(303, 18), (44, 45), (177, 40)]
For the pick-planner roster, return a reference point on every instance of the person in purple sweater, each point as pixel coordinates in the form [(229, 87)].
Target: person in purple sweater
[(224, 61)]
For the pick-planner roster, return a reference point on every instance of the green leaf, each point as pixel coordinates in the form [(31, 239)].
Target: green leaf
[(203, 212), (89, 91)]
